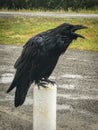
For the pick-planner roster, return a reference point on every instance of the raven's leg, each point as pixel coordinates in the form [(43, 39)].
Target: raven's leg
[(44, 82), (48, 81), (41, 83)]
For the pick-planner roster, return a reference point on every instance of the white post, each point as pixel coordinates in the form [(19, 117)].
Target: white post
[(44, 108)]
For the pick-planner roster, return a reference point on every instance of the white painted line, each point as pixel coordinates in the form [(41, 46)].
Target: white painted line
[(6, 78), (64, 107), (72, 76), (78, 97), (67, 86)]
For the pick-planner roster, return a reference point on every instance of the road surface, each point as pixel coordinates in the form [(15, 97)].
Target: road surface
[(48, 14), (76, 76)]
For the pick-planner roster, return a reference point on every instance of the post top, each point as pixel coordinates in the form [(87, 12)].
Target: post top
[(48, 86)]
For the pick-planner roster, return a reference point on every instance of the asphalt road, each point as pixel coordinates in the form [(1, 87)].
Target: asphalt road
[(48, 14), (76, 76)]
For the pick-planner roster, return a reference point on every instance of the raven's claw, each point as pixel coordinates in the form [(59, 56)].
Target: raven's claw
[(44, 82)]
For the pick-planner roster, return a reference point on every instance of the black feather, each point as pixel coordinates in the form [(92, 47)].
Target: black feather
[(39, 58)]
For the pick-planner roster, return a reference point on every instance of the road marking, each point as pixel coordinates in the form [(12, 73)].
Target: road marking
[(78, 97), (76, 76), (64, 107), (6, 78), (67, 86)]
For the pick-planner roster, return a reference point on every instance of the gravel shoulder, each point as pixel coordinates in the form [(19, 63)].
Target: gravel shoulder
[(76, 76), (48, 14)]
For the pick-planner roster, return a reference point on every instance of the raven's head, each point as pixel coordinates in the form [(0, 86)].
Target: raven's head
[(69, 30)]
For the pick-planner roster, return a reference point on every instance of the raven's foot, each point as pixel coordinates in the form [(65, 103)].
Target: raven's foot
[(44, 83), (48, 81)]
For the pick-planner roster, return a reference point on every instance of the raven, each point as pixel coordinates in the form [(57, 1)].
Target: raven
[(39, 57)]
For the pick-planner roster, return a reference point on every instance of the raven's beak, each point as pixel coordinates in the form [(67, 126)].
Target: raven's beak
[(78, 27)]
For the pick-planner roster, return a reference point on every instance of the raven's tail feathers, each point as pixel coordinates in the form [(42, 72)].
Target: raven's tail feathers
[(22, 85), (21, 91), (12, 86)]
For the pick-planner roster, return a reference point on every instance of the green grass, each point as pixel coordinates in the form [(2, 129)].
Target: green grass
[(17, 30)]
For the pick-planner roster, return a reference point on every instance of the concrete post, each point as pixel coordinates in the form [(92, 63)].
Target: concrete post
[(44, 108)]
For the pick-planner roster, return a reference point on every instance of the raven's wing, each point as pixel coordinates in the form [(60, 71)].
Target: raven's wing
[(23, 70), (29, 50)]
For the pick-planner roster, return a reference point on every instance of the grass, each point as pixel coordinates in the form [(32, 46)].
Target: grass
[(17, 30)]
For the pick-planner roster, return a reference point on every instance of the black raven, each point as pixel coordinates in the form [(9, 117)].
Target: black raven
[(39, 57)]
